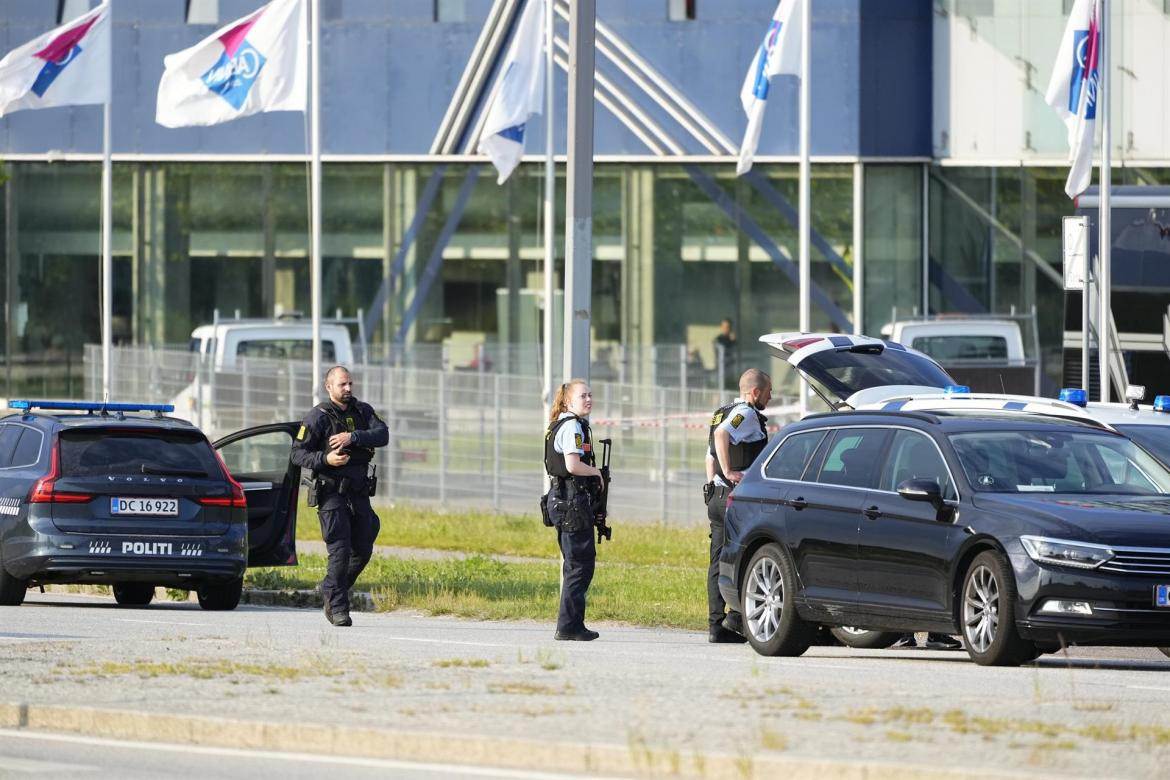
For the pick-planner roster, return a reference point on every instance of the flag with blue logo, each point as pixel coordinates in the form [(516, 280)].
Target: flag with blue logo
[(519, 96), (778, 53), (1072, 91), (67, 66), (257, 63)]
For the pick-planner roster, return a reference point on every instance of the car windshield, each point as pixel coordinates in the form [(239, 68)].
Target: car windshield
[(841, 374), (1038, 461), (1154, 439)]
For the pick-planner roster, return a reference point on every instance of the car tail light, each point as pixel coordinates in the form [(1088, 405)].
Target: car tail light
[(730, 501), (237, 499), (795, 344), (44, 489)]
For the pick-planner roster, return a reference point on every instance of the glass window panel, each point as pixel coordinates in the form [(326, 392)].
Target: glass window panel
[(853, 457), (793, 455)]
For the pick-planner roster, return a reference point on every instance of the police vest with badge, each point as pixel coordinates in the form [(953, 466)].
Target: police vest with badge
[(322, 422), (578, 502), (749, 437)]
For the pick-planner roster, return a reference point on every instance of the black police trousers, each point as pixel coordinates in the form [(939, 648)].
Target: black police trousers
[(579, 556), (717, 514), (349, 528)]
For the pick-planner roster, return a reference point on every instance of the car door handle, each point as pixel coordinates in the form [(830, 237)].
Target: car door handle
[(797, 503), (871, 512)]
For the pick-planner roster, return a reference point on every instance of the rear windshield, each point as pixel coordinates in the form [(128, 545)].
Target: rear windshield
[(844, 373), (98, 453), (950, 348)]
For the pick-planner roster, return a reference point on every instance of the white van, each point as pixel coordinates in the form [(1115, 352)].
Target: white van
[(220, 395), (280, 339), (951, 340)]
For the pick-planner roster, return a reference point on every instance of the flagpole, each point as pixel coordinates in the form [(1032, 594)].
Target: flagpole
[(550, 183), (1105, 232), (315, 196), (805, 176), (107, 227)]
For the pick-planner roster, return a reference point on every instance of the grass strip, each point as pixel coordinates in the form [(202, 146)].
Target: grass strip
[(490, 534), (478, 587)]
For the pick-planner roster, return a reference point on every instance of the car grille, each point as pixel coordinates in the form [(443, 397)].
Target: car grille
[(1139, 560)]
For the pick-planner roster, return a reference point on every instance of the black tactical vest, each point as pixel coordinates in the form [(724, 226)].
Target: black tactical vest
[(554, 462), (741, 454), (348, 421)]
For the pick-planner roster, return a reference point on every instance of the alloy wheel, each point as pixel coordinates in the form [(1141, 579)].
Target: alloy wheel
[(764, 599), (981, 600)]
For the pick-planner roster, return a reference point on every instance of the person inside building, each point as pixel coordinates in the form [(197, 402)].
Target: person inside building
[(335, 444), (726, 354), (569, 504), (737, 435)]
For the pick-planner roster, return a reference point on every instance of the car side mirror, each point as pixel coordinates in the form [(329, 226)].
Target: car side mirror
[(924, 490)]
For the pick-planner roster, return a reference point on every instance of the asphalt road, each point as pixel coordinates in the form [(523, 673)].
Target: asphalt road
[(657, 694)]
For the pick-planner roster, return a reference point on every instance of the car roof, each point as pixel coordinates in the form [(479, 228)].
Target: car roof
[(955, 420), (83, 420), (292, 326), (995, 404), (1124, 414)]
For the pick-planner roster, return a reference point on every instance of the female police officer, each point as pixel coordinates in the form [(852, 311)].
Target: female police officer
[(568, 459)]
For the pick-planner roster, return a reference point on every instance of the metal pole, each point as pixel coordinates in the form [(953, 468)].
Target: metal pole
[(442, 437), (663, 465), (858, 248), (1106, 232), (550, 184), (107, 243), (1086, 314), (579, 190), (805, 176), (315, 197)]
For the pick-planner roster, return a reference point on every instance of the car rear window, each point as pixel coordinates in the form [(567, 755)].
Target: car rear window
[(101, 452), (948, 348), (285, 349)]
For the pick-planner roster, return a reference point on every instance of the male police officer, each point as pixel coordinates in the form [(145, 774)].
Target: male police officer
[(336, 443), (738, 434)]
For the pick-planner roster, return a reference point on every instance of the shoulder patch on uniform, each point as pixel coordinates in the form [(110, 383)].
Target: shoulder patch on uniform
[(578, 439), (301, 434), (717, 418), (735, 421)]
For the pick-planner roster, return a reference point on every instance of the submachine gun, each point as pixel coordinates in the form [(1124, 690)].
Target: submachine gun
[(601, 506)]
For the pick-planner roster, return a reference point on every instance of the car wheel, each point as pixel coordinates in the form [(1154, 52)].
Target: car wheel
[(220, 596), (770, 621), (133, 594), (862, 639), (12, 589), (988, 614)]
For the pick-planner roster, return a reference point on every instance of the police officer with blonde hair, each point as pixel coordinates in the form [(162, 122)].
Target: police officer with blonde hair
[(569, 504), (737, 435)]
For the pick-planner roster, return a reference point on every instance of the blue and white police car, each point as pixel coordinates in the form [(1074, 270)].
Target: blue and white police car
[(120, 494)]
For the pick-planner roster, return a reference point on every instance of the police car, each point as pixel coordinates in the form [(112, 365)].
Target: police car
[(119, 494)]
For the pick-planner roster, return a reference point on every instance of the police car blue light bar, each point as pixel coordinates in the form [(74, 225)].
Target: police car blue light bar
[(89, 406), (1162, 403), (1074, 395), (956, 390)]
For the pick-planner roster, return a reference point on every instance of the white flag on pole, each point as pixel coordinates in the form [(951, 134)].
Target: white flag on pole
[(778, 53), (258, 63), (67, 66), (1072, 91), (520, 94)]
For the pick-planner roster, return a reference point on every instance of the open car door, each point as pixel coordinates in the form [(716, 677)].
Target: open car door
[(848, 371), (258, 458)]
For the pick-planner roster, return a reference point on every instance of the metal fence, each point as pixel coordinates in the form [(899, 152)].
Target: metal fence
[(460, 439)]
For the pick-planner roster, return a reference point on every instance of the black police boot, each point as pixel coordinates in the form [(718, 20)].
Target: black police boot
[(340, 619), (720, 635), (942, 642), (733, 622), (584, 635)]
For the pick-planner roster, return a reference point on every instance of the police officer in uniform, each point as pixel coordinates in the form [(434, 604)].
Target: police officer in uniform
[(336, 443), (569, 504), (738, 434)]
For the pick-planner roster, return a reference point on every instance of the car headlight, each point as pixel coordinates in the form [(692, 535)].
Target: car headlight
[(1079, 555)]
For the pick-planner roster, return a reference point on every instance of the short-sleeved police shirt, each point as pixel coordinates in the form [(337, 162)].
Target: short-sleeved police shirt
[(570, 437), (742, 423)]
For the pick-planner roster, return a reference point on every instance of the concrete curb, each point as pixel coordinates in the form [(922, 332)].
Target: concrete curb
[(632, 760)]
